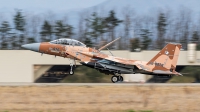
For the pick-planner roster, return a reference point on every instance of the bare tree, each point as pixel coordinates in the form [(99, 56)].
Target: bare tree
[(170, 28), (82, 26), (185, 23), (65, 19), (136, 25), (33, 27), (128, 14)]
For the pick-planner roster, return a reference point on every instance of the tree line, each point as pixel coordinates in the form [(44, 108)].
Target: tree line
[(94, 29)]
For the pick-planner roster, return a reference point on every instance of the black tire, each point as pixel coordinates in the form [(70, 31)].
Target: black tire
[(120, 78), (114, 79), (71, 72)]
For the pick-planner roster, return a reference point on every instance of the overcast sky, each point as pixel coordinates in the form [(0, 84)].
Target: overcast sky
[(48, 4)]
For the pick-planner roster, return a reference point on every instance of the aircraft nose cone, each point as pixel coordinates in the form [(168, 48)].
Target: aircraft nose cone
[(33, 47)]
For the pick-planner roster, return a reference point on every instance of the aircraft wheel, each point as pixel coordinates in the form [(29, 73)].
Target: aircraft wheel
[(114, 79), (120, 78), (71, 72)]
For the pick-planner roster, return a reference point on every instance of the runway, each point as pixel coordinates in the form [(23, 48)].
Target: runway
[(99, 84)]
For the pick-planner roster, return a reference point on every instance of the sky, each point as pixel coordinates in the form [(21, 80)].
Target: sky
[(72, 8), (48, 4)]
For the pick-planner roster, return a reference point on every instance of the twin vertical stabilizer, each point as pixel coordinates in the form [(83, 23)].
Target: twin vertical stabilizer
[(167, 58)]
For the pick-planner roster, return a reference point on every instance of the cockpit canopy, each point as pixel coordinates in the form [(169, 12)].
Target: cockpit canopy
[(67, 42)]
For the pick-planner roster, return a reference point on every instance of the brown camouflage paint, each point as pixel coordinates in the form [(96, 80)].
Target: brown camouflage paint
[(164, 61)]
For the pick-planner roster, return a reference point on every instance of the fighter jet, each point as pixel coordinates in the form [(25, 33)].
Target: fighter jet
[(163, 64)]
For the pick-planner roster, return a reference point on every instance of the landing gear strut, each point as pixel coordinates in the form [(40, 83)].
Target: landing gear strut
[(71, 72), (120, 78)]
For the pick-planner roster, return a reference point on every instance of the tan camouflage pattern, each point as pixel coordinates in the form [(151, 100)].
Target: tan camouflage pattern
[(163, 63)]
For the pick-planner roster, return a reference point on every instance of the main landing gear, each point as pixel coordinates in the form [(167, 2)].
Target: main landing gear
[(117, 78)]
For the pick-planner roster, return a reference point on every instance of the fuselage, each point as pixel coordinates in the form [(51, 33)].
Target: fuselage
[(69, 48)]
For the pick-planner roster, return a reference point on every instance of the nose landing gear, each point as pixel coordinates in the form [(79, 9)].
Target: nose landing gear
[(71, 72)]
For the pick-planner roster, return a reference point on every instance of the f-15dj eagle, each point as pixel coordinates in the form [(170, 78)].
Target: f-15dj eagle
[(163, 64)]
